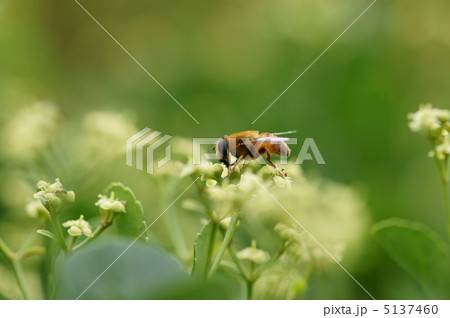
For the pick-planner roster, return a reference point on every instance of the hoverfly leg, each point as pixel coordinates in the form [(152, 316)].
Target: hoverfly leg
[(269, 160), (233, 165), (283, 173)]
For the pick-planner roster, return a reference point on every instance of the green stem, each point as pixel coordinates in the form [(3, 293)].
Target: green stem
[(26, 245), (5, 251), (439, 168), (442, 167), (35, 250), (269, 263), (59, 232), (255, 275), (211, 247), (251, 281), (446, 207), (238, 263), (445, 194), (72, 242), (96, 233), (103, 226), (240, 267), (250, 284), (225, 243), (16, 266), (205, 200), (18, 272)]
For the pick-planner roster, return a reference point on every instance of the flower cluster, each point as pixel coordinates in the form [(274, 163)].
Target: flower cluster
[(205, 169), (109, 206), (300, 246), (229, 197), (429, 120), (78, 227), (434, 123), (334, 213), (103, 134), (235, 191), (53, 195), (29, 133)]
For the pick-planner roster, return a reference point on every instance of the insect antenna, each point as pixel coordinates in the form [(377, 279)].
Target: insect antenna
[(285, 132)]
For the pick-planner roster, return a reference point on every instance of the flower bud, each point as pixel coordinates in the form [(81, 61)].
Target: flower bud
[(253, 254), (74, 231), (55, 202), (225, 223), (117, 207), (211, 183), (41, 185), (70, 197), (56, 185), (107, 205)]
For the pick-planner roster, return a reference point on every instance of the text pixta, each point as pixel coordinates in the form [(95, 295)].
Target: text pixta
[(344, 310)]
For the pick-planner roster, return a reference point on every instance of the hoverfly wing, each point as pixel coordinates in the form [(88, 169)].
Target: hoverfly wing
[(271, 139)]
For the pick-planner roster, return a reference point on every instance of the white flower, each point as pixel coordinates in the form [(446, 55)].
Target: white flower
[(78, 227), (53, 194), (253, 254), (442, 150), (428, 120), (434, 123), (110, 203), (282, 182), (230, 197), (204, 168), (225, 223)]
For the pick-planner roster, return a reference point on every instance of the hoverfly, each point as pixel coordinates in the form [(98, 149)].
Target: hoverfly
[(251, 145)]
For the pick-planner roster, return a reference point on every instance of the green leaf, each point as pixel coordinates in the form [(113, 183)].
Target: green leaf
[(132, 222), (203, 248), (139, 273), (419, 251), (135, 272), (47, 234)]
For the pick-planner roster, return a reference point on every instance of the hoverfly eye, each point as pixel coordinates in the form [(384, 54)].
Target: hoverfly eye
[(222, 150)]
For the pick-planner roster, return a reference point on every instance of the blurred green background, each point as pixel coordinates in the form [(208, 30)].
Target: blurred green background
[(226, 61)]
